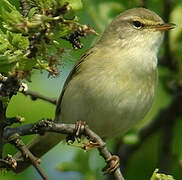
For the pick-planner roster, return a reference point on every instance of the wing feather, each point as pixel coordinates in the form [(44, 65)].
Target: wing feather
[(73, 72)]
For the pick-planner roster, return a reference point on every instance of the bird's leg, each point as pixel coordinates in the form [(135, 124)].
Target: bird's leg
[(79, 128), (113, 163)]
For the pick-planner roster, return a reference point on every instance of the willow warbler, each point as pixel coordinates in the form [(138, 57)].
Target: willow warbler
[(113, 85)]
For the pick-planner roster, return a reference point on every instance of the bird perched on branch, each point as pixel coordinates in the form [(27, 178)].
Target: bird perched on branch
[(113, 85)]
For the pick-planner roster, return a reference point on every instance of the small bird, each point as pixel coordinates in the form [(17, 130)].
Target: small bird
[(113, 85)]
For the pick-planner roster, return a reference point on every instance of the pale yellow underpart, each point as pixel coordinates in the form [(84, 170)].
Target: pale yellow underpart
[(113, 91)]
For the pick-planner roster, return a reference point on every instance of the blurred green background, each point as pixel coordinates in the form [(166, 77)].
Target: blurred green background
[(77, 164)]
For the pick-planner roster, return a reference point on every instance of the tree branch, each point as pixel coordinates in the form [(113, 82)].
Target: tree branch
[(8, 87), (103, 151), (18, 143), (35, 96), (49, 126)]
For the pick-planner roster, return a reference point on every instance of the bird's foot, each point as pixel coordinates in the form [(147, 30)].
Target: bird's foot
[(112, 164), (79, 127)]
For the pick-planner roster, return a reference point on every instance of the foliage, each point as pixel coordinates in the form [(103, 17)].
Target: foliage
[(158, 176), (33, 41), (17, 54)]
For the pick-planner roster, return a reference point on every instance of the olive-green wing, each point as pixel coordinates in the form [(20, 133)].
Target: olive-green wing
[(73, 72)]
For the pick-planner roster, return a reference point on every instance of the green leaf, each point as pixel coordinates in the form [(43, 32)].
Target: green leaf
[(32, 11), (17, 40), (26, 63), (7, 63), (7, 5), (4, 43), (12, 21), (75, 4), (158, 176)]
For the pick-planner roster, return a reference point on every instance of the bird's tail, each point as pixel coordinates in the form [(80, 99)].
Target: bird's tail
[(38, 146)]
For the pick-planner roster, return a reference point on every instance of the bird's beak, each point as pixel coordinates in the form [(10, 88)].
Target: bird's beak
[(165, 26)]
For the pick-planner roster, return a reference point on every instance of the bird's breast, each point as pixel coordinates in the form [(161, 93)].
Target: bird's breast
[(111, 98)]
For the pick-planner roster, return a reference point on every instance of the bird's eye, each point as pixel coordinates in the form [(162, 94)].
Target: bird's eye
[(137, 24)]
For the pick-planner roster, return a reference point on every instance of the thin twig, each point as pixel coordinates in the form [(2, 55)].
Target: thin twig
[(39, 128), (18, 143), (103, 151), (35, 95)]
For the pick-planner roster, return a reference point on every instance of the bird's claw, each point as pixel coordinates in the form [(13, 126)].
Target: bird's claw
[(79, 127)]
